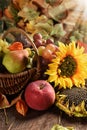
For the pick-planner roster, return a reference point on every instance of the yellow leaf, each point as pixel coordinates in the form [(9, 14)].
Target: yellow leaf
[(3, 101)]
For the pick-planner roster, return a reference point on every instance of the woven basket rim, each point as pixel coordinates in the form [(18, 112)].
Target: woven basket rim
[(16, 74)]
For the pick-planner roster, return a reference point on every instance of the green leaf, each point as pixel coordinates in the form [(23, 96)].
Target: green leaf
[(57, 13), (45, 26), (58, 31), (4, 4), (28, 14), (76, 35), (14, 13)]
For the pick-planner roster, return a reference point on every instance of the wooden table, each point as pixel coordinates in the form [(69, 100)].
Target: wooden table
[(44, 120), (37, 120)]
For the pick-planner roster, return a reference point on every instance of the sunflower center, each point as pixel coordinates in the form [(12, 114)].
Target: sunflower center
[(68, 66)]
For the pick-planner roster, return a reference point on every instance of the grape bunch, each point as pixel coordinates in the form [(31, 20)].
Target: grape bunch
[(47, 51), (46, 48)]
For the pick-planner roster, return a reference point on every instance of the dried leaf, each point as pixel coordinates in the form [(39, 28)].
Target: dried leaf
[(14, 101), (3, 101), (18, 4), (21, 107), (40, 3)]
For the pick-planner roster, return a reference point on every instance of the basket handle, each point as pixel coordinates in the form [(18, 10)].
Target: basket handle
[(14, 29)]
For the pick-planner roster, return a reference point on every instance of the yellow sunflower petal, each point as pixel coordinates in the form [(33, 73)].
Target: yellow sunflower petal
[(79, 73)]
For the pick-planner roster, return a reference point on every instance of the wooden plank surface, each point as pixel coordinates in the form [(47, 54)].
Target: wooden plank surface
[(37, 120), (44, 120)]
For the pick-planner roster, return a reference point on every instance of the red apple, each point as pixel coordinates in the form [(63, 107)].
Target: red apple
[(39, 95)]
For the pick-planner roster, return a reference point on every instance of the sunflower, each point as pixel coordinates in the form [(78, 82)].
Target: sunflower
[(69, 68)]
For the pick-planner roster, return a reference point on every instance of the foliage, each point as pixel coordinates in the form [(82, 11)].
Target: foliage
[(4, 4)]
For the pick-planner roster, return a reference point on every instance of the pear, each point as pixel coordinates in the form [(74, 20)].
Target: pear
[(15, 61)]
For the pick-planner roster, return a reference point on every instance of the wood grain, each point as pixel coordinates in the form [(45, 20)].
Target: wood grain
[(40, 120)]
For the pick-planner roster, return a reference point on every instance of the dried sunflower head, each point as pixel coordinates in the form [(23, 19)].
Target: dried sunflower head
[(60, 127), (73, 101)]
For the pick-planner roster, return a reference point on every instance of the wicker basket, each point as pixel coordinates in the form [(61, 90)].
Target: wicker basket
[(13, 83)]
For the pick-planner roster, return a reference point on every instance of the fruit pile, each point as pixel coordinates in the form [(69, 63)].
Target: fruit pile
[(46, 48), (14, 58)]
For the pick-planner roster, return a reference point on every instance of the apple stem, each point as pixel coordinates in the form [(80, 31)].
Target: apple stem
[(42, 86)]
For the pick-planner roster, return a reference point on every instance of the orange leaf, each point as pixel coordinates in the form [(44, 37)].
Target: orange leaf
[(21, 107), (16, 46), (7, 13)]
